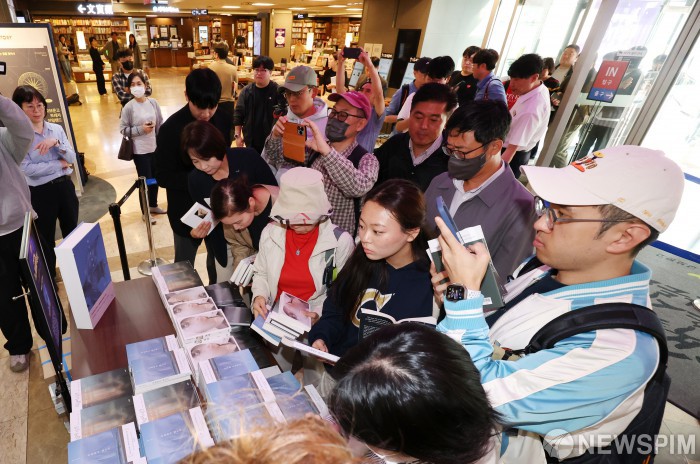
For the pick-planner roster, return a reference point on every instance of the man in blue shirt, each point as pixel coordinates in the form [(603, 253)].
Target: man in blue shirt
[(489, 86)]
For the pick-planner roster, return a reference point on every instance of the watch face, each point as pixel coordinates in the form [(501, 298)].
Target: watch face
[(455, 293)]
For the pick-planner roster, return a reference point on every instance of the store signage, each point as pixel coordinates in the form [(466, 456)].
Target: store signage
[(166, 9), (280, 37), (607, 81), (200, 12), (95, 9), (301, 16)]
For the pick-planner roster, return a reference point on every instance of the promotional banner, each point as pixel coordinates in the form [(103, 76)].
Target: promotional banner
[(280, 37)]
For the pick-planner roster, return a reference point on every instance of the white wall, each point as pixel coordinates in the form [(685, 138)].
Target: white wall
[(453, 25)]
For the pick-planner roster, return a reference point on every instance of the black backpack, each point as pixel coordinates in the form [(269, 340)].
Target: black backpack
[(627, 447)]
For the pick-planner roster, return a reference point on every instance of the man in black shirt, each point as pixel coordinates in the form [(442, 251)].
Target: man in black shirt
[(202, 91), (253, 114), (463, 81)]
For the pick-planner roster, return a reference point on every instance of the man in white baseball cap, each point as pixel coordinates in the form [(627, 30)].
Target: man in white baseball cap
[(594, 217)]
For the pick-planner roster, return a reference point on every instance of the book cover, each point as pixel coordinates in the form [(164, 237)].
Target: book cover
[(192, 308), (174, 437), (284, 384), (99, 388), (230, 395), (238, 315), (258, 327), (258, 417), (233, 364), (491, 286), (170, 278), (198, 352), (296, 406), (224, 294), (247, 340), (82, 258), (116, 446), (304, 348), (164, 401), (197, 214), (147, 348), (101, 417), (208, 326), (371, 321), (290, 312), (189, 294), (158, 370)]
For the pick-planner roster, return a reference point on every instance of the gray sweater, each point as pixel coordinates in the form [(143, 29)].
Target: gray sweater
[(16, 139)]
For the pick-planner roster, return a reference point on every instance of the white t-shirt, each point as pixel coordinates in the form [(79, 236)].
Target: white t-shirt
[(405, 111), (530, 118), (144, 112)]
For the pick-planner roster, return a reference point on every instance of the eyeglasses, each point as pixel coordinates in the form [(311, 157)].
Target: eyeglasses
[(289, 94), (37, 107), (543, 207), (460, 154), (261, 71), (341, 115)]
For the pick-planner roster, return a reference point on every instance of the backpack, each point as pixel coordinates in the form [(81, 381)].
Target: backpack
[(404, 94), (627, 447), (330, 272)]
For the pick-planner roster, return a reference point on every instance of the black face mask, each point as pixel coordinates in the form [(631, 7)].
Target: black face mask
[(335, 130), (465, 169), (128, 65)]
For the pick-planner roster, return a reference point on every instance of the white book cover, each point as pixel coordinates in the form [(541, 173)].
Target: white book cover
[(207, 326), (82, 259), (199, 352), (197, 214), (243, 274), (297, 345)]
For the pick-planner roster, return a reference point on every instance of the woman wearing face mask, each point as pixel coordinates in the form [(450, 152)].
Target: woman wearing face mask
[(136, 50), (244, 211), (206, 149), (141, 119), (389, 272)]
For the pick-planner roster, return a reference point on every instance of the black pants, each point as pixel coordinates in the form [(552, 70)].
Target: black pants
[(227, 107), (521, 158), (14, 319), (145, 167), (597, 137), (54, 200), (186, 250), (100, 78)]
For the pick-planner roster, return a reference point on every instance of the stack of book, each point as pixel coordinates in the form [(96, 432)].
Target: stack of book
[(156, 363), (287, 319), (243, 273), (227, 299), (198, 352), (100, 388), (101, 417), (165, 401), (118, 445), (171, 438), (170, 278), (226, 367)]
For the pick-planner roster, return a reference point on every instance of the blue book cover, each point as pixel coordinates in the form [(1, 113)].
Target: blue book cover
[(236, 423), (155, 367), (169, 439), (284, 384), (105, 416), (91, 259), (105, 448), (145, 349), (231, 395), (234, 364), (167, 400), (295, 406)]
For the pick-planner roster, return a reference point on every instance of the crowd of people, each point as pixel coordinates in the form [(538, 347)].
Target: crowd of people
[(347, 227)]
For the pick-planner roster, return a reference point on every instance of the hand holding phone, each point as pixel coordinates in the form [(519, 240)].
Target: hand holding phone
[(447, 218), (351, 53), (294, 142)]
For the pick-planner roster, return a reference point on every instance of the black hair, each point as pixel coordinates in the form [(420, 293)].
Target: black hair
[(375, 61), (123, 53), (203, 88), (613, 213), (435, 92), (229, 196), (548, 63), (221, 52), (113, 33), (526, 66), (488, 119), (27, 94), (574, 47), (205, 139), (421, 65), (134, 75), (411, 389), (264, 61), (61, 35), (470, 50), (441, 67), (405, 202), (92, 37), (487, 56), (130, 36)]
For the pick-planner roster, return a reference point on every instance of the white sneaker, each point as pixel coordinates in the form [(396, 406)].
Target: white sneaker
[(19, 362), (153, 220)]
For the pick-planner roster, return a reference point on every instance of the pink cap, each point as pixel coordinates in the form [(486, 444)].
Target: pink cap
[(356, 99)]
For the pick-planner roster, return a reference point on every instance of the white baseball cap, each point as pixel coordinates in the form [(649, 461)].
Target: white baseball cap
[(641, 181)]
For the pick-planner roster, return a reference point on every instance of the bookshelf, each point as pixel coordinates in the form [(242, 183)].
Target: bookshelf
[(354, 28), (100, 28), (320, 28)]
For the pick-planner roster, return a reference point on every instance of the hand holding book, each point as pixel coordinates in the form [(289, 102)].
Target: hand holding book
[(464, 265)]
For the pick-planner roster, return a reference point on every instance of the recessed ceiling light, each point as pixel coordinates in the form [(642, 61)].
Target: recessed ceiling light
[(336, 6), (262, 4), (297, 8), (231, 7), (354, 9)]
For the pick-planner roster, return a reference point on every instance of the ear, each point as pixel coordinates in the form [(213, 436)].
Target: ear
[(495, 146), (314, 92), (361, 124), (186, 97), (413, 233), (251, 203), (626, 237)]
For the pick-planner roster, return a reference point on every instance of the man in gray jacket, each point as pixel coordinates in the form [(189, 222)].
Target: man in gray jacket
[(15, 142)]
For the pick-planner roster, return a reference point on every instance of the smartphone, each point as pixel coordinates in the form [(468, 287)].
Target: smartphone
[(351, 53), (294, 142), (447, 218)]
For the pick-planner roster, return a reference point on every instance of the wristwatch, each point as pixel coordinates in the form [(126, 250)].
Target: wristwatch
[(458, 292)]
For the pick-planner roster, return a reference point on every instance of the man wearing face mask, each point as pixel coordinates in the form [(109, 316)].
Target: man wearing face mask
[(349, 171), (125, 58), (480, 189)]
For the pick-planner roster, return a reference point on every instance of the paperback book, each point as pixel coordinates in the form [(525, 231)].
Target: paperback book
[(159, 370), (101, 417), (170, 278), (198, 352), (306, 349), (230, 395), (490, 287), (225, 367), (119, 445), (164, 401), (371, 321), (178, 311), (171, 438), (227, 299), (243, 274), (99, 388), (257, 417), (147, 348), (197, 214), (206, 326), (258, 326), (82, 258), (189, 294)]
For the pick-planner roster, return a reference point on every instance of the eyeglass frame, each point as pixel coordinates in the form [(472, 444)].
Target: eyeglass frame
[(462, 154), (543, 207), (334, 114), (289, 94)]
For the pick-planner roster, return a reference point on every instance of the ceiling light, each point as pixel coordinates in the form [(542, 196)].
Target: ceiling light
[(297, 8), (336, 6), (354, 9), (262, 4), (231, 7)]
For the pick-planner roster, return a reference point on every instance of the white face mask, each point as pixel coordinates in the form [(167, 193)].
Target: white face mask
[(139, 91)]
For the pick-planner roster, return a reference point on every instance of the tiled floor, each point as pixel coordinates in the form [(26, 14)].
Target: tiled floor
[(30, 429)]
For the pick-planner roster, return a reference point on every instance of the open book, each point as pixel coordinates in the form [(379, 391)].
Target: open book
[(371, 321), (198, 213), (490, 286)]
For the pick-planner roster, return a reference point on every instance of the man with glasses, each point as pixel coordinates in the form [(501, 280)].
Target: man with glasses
[(595, 216), (417, 154), (253, 117), (480, 189)]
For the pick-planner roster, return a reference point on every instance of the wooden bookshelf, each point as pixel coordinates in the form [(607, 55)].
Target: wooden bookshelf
[(100, 28)]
